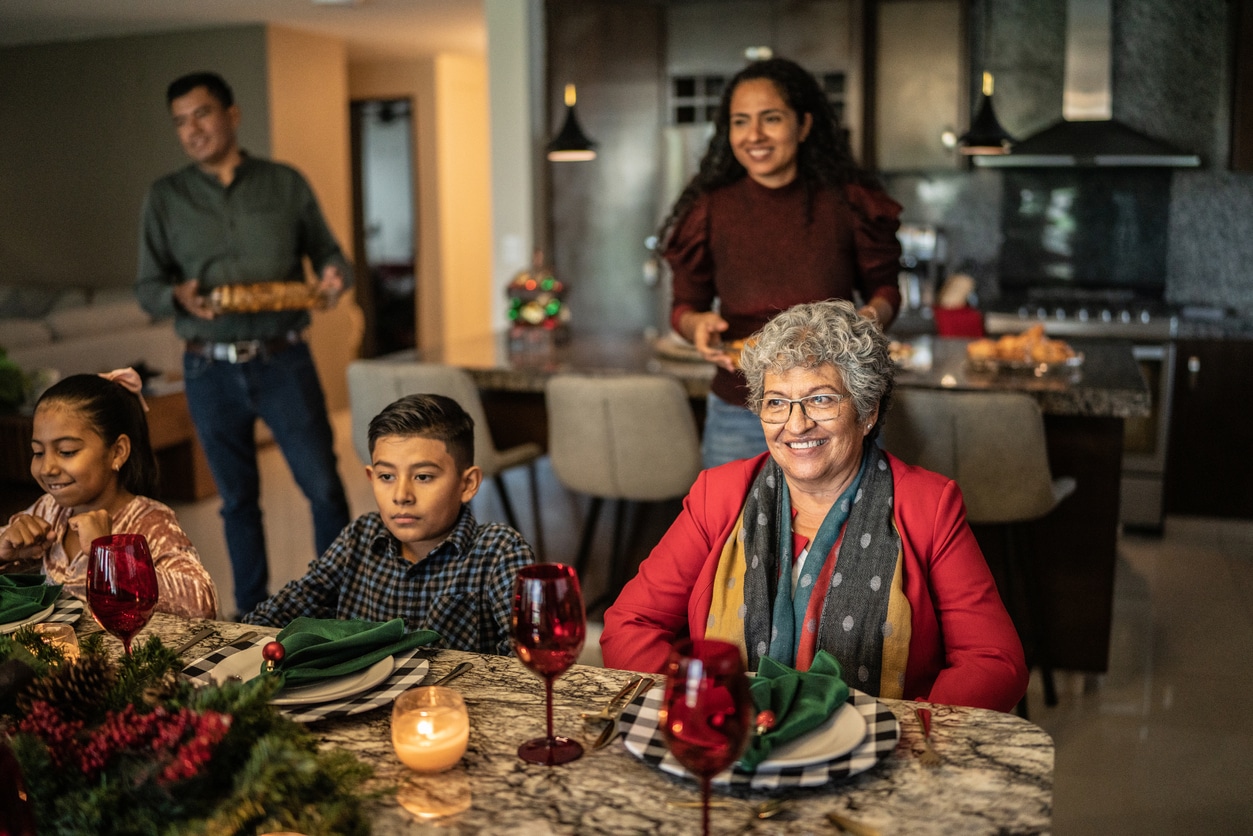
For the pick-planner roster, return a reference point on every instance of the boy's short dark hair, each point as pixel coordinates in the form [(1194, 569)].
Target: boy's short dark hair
[(429, 416), (214, 83)]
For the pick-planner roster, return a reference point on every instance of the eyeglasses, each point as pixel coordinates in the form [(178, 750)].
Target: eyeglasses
[(821, 407)]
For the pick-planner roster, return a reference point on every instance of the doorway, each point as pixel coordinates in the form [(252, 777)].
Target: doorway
[(384, 223)]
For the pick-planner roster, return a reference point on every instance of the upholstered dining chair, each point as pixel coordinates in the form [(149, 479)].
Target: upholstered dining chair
[(993, 445), (373, 384), (629, 438)]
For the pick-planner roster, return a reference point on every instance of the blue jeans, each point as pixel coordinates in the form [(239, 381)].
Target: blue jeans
[(731, 432), (281, 389)]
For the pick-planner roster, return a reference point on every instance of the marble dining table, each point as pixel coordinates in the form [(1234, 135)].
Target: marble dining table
[(996, 776)]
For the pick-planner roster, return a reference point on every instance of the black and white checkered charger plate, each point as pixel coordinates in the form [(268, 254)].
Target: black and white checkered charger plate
[(644, 740)]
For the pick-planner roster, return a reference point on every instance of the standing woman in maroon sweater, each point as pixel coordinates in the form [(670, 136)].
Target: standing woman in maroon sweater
[(779, 214)]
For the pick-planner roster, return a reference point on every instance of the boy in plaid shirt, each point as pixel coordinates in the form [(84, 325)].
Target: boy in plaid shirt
[(422, 556)]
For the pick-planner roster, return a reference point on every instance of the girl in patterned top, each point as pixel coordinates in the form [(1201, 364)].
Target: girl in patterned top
[(90, 452)]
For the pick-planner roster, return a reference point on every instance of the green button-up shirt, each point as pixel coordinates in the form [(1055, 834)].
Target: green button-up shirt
[(257, 229)]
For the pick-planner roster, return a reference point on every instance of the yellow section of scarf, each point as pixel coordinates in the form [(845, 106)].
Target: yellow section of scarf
[(726, 607), (896, 642)]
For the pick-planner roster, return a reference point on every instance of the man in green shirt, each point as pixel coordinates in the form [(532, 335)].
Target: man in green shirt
[(227, 219)]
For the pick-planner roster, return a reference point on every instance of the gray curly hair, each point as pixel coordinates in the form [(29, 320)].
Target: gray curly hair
[(824, 333)]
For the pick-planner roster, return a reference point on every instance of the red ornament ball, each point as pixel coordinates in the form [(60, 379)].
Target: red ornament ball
[(273, 652), (765, 721)]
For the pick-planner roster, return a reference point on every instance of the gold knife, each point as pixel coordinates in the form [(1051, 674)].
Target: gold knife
[(618, 698), (611, 728), (200, 636)]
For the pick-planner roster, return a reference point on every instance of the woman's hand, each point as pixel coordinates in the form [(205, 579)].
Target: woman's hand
[(704, 330), (25, 538), (877, 311), (91, 525)]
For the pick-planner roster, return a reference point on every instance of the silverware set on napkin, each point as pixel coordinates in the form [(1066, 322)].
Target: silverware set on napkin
[(609, 714)]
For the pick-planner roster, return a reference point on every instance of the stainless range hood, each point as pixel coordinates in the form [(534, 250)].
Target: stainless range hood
[(1087, 135)]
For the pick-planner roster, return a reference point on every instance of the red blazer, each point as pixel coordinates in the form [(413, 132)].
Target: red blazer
[(963, 648)]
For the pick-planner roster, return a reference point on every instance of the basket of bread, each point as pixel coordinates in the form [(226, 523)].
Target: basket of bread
[(1029, 351), (266, 296)]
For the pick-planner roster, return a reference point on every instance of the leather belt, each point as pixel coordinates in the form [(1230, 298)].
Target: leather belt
[(243, 351)]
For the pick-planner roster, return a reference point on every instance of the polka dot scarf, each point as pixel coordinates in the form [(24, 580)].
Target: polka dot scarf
[(849, 598)]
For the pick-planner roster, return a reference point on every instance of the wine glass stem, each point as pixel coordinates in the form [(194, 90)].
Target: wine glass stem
[(548, 685), (704, 806)]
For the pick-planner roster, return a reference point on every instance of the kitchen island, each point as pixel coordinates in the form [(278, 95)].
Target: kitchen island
[(1084, 409)]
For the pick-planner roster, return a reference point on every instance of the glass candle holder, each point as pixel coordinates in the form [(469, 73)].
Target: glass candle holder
[(430, 728), (60, 635)]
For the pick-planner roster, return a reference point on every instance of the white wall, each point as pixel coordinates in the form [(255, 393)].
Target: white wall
[(515, 49)]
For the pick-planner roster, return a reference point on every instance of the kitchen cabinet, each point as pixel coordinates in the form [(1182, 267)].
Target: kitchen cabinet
[(919, 84), (1242, 88), (1208, 468)]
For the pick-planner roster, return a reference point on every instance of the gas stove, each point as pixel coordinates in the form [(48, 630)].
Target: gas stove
[(1077, 314)]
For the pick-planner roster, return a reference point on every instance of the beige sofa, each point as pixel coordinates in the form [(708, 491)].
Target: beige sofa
[(86, 331)]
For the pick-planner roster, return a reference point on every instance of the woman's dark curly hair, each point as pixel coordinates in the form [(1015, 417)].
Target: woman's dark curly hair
[(823, 159)]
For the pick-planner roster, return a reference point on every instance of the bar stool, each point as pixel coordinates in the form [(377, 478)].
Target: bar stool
[(993, 445), (373, 384), (630, 438)]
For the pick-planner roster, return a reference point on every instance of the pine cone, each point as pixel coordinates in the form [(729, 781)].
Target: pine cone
[(76, 689), (159, 690)]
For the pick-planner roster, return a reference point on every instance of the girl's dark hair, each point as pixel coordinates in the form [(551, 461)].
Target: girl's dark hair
[(824, 159), (111, 411)]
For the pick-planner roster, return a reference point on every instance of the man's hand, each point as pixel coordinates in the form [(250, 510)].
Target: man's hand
[(25, 538), (705, 331), (189, 296), (91, 525), (332, 284)]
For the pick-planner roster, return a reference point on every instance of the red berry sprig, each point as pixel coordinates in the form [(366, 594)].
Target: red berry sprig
[(58, 734)]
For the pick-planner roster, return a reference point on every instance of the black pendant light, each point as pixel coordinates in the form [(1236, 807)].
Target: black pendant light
[(986, 136), (571, 145)]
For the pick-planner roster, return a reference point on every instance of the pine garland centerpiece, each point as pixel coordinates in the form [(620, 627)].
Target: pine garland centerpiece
[(128, 746)]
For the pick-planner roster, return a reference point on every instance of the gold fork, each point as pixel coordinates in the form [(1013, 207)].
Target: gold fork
[(929, 756)]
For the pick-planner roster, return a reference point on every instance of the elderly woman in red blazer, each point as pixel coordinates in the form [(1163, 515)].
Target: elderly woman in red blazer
[(826, 542)]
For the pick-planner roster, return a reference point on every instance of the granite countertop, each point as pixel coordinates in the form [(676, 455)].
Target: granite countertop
[(1108, 384), (997, 777)]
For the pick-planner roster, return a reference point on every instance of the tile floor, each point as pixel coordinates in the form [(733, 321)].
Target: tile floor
[(1160, 744)]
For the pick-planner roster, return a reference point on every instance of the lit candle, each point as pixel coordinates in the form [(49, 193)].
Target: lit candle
[(430, 728)]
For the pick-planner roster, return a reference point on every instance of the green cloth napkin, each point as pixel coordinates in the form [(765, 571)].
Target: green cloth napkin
[(21, 596), (323, 648), (800, 701)]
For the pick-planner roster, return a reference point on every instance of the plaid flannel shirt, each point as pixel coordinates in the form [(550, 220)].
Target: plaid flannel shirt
[(462, 590)]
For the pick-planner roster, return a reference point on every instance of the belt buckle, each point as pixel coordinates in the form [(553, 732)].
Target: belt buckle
[(242, 352)]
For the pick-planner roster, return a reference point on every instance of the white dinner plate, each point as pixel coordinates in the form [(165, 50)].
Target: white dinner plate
[(34, 619), (842, 732), (246, 664)]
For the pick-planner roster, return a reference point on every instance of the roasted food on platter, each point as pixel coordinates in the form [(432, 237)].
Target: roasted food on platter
[(733, 349), (265, 296), (901, 353), (1029, 347)]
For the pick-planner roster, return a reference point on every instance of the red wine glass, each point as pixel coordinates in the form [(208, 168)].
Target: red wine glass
[(121, 584), (707, 711), (549, 627)]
